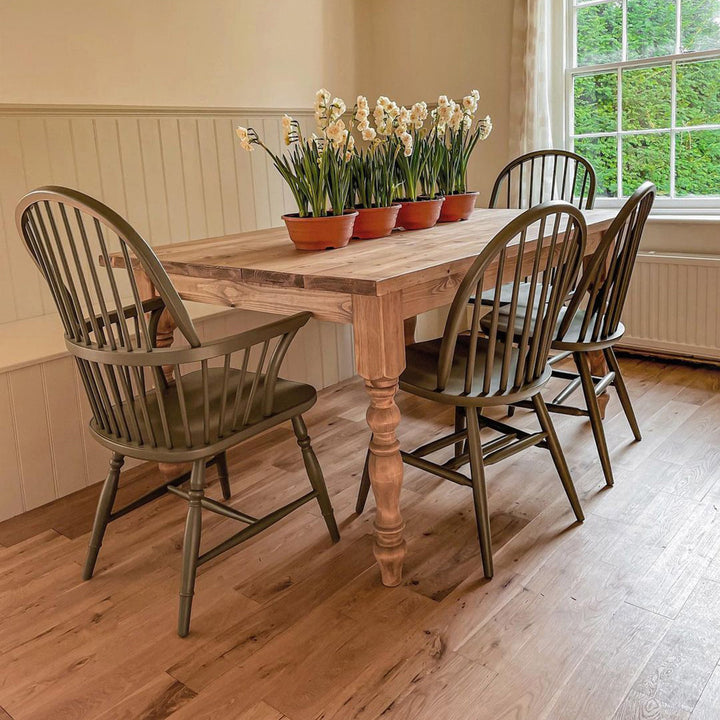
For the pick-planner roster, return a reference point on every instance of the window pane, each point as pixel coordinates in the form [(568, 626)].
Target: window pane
[(646, 157), (651, 28), (698, 93), (697, 162), (595, 103), (599, 33), (646, 98), (700, 25), (602, 153)]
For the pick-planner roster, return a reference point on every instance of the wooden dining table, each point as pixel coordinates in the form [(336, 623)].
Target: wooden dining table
[(373, 285)]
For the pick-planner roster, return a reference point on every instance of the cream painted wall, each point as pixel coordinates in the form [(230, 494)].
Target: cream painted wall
[(200, 53), (419, 50)]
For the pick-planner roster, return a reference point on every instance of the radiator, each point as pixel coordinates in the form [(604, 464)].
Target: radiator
[(673, 305)]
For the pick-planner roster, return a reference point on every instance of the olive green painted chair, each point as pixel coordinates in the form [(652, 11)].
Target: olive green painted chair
[(471, 371), (544, 175), (591, 321), (538, 177), (169, 405)]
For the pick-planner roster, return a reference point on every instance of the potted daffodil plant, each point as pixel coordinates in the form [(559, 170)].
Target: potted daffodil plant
[(318, 171), (416, 165), (458, 132), (373, 178)]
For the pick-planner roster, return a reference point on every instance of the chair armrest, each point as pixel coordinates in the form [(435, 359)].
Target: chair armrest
[(157, 357), (154, 305)]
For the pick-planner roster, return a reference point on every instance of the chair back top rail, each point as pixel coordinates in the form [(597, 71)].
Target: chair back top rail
[(544, 175)]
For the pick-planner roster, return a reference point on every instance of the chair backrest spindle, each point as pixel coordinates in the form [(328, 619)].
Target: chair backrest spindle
[(545, 245), (603, 287), (111, 331), (545, 175)]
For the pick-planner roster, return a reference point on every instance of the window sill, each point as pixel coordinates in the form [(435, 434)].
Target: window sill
[(684, 218)]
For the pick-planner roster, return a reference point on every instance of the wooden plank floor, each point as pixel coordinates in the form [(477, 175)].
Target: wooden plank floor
[(616, 619)]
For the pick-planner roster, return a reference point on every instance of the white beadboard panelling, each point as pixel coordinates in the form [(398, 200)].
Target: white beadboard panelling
[(29, 414), (65, 425), (85, 155), (133, 174), (192, 173), (672, 305), (210, 177), (155, 189), (11, 496), (245, 180), (174, 180), (112, 179), (174, 176)]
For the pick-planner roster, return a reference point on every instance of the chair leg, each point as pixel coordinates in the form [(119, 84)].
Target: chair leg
[(477, 473), (596, 422), (623, 393), (102, 514), (364, 486), (460, 423), (312, 466), (223, 476), (191, 545), (558, 457)]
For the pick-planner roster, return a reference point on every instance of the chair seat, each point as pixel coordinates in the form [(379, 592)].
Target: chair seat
[(488, 297), (420, 375), (289, 399), (571, 339)]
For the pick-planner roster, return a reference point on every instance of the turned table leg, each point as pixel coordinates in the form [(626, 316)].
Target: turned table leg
[(380, 358)]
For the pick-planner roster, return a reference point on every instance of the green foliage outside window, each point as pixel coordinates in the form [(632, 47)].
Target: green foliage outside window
[(596, 103), (698, 163), (646, 95), (602, 153)]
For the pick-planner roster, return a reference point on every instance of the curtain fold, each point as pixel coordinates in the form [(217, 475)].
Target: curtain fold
[(531, 71)]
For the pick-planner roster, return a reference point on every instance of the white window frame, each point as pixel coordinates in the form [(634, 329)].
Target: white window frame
[(709, 205)]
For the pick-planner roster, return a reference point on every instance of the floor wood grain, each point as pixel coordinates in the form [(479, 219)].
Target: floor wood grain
[(614, 619)]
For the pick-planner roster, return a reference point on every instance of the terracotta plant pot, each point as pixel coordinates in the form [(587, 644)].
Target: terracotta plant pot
[(321, 233), (419, 214), (458, 207), (375, 222)]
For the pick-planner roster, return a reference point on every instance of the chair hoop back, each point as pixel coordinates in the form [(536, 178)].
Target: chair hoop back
[(66, 234), (541, 249), (603, 287), (544, 175), (156, 402)]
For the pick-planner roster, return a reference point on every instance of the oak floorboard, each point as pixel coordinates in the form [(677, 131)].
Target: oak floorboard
[(674, 677), (709, 702), (615, 618), (156, 700)]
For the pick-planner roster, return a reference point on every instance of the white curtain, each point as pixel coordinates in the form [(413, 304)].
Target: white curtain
[(531, 73)]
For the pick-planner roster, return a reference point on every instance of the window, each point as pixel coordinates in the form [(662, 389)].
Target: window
[(643, 83)]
